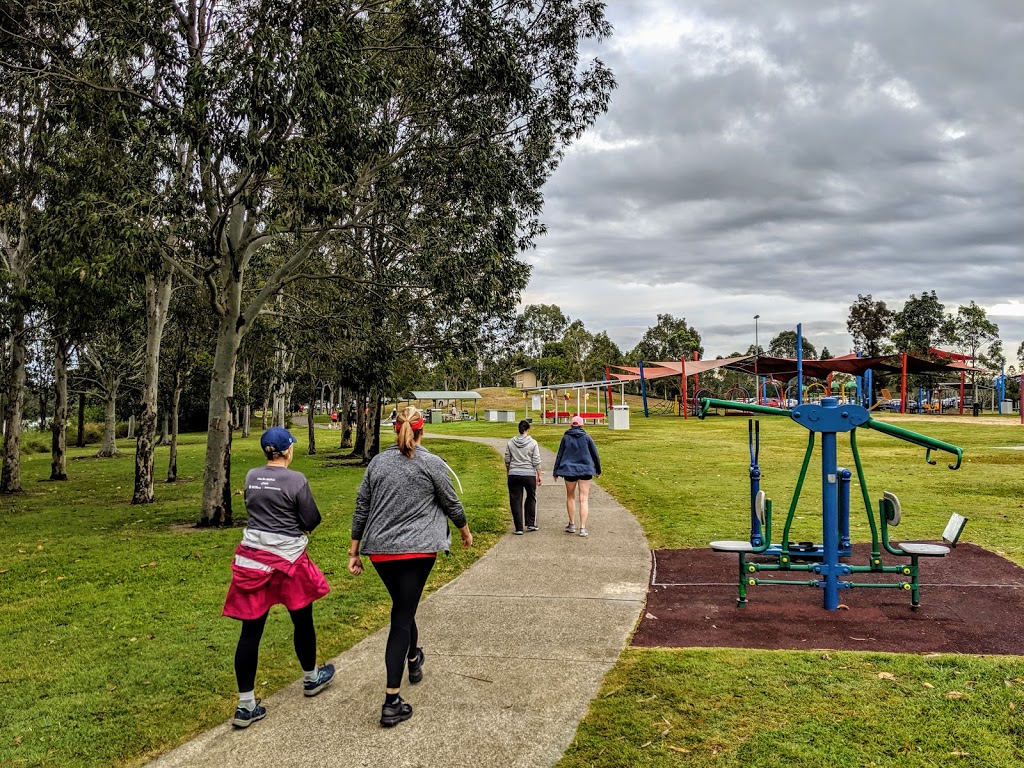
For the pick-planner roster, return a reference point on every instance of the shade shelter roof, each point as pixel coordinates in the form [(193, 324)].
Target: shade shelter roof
[(445, 394)]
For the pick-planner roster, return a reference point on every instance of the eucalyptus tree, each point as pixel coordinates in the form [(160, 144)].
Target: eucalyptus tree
[(286, 117), (919, 323), (870, 322), (970, 330), (784, 345), (29, 115)]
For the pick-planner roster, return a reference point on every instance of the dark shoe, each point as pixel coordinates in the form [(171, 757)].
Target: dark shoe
[(416, 666), (391, 716), (245, 717), (324, 675)]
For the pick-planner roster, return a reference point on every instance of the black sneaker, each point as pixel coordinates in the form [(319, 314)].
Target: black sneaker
[(324, 675), (416, 666), (245, 717), (391, 715)]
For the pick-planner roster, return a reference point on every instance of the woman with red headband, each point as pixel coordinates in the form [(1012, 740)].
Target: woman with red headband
[(401, 522)]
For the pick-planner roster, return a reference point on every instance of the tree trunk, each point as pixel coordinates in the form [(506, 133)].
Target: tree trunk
[(373, 426), (10, 476), (164, 427), (80, 441), (310, 427), (43, 401), (59, 443), (131, 426), (158, 299), (358, 449), (108, 448), (216, 505), (172, 462), (247, 409), (247, 420), (263, 416)]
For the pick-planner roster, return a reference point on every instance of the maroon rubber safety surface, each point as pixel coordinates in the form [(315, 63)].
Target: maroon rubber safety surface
[(972, 601)]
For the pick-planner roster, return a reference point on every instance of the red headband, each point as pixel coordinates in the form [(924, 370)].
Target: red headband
[(416, 425)]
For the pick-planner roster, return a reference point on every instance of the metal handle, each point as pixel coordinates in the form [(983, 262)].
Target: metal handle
[(923, 441)]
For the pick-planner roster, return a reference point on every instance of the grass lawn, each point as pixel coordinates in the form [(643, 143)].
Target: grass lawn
[(113, 643), (687, 482), (114, 647)]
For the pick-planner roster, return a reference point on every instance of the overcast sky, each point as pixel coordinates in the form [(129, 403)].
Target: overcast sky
[(779, 157)]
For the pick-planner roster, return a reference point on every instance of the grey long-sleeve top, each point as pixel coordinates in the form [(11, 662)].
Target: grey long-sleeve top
[(404, 505)]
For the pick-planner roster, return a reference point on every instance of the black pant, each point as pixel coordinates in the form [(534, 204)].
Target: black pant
[(404, 580), (248, 650), (516, 485)]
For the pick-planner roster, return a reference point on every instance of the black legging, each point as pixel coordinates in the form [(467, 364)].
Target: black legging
[(404, 580), (517, 485), (248, 650)]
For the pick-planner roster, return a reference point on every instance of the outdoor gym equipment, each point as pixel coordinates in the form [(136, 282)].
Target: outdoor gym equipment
[(829, 419)]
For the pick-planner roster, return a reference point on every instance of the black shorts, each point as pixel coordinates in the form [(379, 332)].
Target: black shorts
[(574, 478)]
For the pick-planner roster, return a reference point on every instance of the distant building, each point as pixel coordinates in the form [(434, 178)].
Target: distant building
[(524, 378)]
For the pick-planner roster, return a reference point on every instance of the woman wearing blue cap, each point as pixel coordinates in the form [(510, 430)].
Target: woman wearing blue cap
[(271, 566)]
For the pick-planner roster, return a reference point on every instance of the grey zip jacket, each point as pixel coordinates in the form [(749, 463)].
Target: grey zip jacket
[(522, 455), (404, 505)]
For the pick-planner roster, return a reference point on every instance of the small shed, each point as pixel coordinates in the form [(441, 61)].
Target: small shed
[(524, 378)]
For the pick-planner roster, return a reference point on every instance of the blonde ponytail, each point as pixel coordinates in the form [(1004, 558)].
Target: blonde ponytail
[(408, 434)]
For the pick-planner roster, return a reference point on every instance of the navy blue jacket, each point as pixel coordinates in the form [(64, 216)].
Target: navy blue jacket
[(577, 455)]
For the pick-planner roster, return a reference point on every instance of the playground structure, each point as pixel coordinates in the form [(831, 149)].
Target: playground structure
[(554, 401), (828, 419)]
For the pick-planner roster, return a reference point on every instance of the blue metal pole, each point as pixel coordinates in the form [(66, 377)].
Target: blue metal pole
[(799, 364), (869, 383), (643, 388), (829, 514), (860, 396)]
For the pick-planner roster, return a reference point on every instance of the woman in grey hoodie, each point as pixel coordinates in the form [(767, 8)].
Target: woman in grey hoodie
[(522, 465)]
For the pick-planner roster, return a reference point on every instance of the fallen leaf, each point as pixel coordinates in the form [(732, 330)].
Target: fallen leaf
[(39, 547), (954, 695), (17, 739), (843, 607), (197, 555), (133, 639), (645, 745), (4, 571), (650, 616), (886, 676), (960, 754), (927, 685), (679, 749)]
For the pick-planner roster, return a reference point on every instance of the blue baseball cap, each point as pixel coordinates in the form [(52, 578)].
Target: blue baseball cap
[(276, 440)]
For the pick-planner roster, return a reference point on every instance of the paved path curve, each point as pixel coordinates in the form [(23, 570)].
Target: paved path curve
[(516, 648)]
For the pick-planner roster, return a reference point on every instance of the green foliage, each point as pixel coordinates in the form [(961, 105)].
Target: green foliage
[(918, 324), (870, 323), (784, 345)]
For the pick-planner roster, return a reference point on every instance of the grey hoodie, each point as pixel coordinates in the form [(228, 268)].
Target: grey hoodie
[(522, 455)]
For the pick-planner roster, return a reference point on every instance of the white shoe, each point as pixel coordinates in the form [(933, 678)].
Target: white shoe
[(583, 532)]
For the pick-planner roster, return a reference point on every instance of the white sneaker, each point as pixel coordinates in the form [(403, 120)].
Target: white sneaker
[(583, 532), (570, 528)]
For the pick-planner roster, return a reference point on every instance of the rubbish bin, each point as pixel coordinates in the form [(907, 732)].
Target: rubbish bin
[(977, 409), (436, 416), (1006, 407), (618, 417)]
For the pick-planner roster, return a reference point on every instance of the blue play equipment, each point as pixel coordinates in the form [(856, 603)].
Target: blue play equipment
[(828, 419)]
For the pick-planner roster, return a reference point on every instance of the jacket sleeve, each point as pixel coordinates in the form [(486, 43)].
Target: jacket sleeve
[(536, 455), (558, 458), (508, 454), (593, 454), (445, 494), (362, 511), (309, 513)]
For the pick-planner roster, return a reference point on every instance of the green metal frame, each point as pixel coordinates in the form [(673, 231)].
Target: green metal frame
[(878, 542)]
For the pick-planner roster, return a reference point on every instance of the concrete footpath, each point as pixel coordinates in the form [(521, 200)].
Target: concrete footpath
[(516, 648)]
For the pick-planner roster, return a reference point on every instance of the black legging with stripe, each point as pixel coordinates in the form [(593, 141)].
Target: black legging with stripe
[(404, 580), (248, 650)]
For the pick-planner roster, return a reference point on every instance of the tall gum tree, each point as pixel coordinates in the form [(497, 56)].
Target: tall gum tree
[(291, 114)]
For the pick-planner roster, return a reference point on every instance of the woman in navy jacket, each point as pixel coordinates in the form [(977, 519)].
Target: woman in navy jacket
[(577, 463)]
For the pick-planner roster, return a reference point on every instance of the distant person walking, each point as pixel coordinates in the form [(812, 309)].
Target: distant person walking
[(522, 465), (401, 522), (577, 463), (271, 566)]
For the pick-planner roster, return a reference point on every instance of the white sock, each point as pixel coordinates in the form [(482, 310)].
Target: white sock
[(247, 700), (310, 677)]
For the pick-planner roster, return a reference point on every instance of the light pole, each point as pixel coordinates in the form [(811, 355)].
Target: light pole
[(757, 354)]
